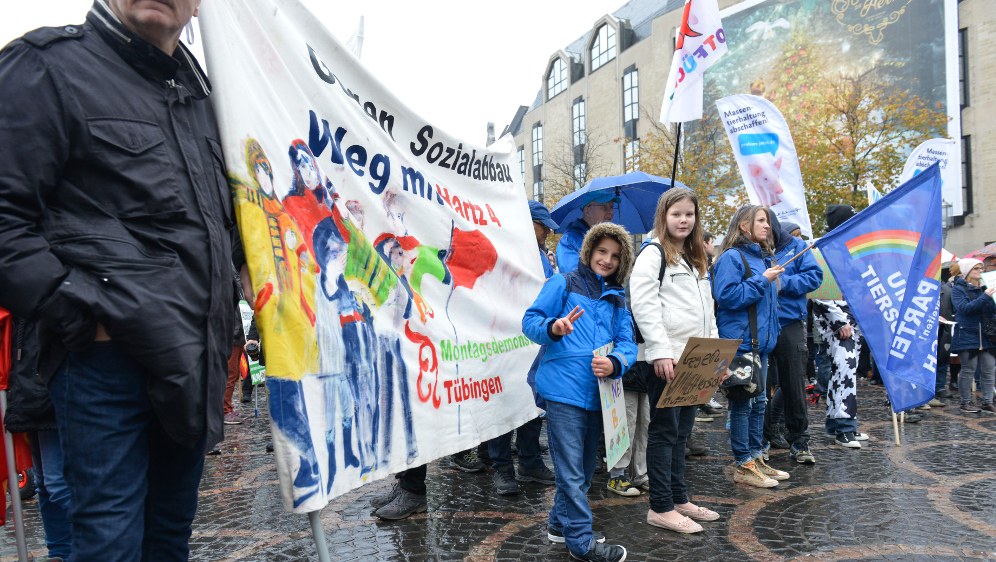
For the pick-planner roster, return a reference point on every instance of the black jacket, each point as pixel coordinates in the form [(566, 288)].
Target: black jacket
[(114, 208), (28, 405)]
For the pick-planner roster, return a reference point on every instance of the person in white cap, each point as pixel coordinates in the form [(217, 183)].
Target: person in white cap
[(974, 340)]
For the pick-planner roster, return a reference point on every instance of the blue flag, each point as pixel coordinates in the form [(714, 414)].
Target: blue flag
[(887, 261)]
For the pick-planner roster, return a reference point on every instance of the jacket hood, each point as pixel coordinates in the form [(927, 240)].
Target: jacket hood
[(780, 235), (618, 234)]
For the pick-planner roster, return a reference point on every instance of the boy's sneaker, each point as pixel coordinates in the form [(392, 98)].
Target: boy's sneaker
[(770, 471), (710, 411), (467, 461), (557, 535), (847, 440), (713, 403), (623, 487), (602, 553), (643, 483), (403, 505), (749, 474), (702, 417), (861, 436), (988, 409), (505, 484), (778, 442), (541, 475), (968, 408), (803, 455)]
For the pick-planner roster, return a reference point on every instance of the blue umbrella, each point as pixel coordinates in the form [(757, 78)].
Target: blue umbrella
[(638, 193)]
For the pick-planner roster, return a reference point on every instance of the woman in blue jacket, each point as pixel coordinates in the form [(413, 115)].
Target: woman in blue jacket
[(972, 303), (736, 290), (574, 316)]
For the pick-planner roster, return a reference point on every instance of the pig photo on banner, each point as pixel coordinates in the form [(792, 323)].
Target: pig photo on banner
[(766, 156), (390, 262)]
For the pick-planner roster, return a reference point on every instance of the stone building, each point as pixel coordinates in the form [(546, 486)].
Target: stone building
[(602, 93)]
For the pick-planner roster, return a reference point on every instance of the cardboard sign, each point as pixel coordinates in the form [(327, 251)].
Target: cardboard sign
[(616, 428), (697, 373), (989, 280)]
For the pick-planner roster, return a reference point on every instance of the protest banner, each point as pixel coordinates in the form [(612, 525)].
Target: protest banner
[(614, 424), (700, 42), (989, 280), (698, 372), (391, 263), (766, 156), (887, 262), (947, 153)]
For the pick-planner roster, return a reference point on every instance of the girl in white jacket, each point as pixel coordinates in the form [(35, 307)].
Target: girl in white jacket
[(668, 312)]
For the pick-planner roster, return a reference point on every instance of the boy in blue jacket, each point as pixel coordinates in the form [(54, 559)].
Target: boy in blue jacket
[(574, 315)]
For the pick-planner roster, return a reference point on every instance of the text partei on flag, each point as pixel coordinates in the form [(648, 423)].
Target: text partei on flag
[(391, 263), (700, 42), (887, 261)]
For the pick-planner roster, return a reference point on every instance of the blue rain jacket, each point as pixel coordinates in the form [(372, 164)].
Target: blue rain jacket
[(734, 294)]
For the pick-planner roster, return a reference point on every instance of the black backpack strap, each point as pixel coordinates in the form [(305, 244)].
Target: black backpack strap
[(752, 309)]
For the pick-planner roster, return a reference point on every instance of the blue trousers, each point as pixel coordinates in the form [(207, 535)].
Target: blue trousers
[(134, 489), (747, 423), (53, 493), (574, 434)]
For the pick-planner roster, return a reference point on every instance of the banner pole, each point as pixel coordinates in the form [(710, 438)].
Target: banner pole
[(895, 428), (677, 143), (15, 493), (316, 530)]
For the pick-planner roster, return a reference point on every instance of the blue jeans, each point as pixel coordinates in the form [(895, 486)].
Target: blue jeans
[(574, 434), (526, 439), (747, 423), (134, 489), (53, 493)]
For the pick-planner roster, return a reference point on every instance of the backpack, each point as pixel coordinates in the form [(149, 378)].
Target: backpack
[(660, 280)]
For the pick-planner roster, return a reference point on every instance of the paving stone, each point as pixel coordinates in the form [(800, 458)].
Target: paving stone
[(933, 499)]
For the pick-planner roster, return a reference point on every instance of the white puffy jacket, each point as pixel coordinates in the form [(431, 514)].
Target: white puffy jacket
[(680, 307)]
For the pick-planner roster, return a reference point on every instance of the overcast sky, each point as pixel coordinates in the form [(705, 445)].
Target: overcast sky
[(486, 59)]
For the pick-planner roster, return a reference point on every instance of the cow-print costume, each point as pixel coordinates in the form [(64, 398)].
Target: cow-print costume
[(829, 317)]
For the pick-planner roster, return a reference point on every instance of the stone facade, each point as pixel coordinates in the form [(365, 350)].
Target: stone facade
[(650, 51)]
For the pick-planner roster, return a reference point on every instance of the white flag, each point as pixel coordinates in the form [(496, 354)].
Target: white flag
[(701, 41), (766, 156), (873, 194), (945, 151)]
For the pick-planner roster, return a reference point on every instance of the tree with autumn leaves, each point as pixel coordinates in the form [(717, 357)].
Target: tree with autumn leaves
[(849, 129)]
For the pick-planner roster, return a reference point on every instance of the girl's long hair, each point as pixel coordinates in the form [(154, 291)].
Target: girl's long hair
[(736, 237), (692, 247)]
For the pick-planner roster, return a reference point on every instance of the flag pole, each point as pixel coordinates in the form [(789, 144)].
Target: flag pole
[(677, 143), (895, 428), (316, 530)]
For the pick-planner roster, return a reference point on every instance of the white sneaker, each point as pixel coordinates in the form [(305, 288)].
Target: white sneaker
[(861, 437), (714, 404)]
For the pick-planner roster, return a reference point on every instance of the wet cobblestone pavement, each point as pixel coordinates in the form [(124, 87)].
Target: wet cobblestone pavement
[(933, 499)]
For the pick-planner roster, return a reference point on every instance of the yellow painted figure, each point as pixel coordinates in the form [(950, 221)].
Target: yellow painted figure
[(282, 271)]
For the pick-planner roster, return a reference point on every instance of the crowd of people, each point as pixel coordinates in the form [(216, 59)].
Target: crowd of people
[(117, 234)]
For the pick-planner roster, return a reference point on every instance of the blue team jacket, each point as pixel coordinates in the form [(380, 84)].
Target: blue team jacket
[(734, 294)]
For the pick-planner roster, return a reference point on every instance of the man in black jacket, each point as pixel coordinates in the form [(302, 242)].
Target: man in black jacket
[(115, 226)]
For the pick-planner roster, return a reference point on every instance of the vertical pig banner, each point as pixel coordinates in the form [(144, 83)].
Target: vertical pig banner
[(390, 262), (766, 157)]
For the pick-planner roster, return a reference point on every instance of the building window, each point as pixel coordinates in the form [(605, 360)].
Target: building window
[(603, 48), (631, 155), (537, 144), (577, 122), (556, 80), (966, 176), (631, 95), (522, 161), (580, 175), (963, 66), (538, 190)]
